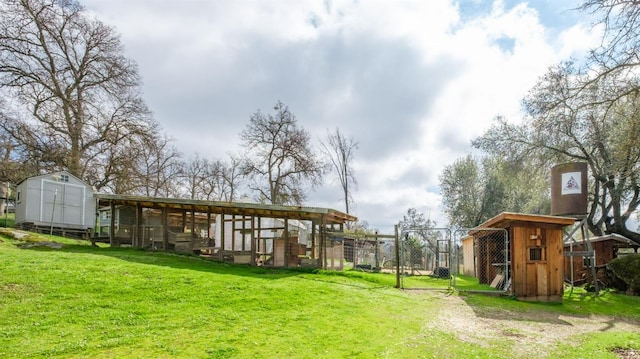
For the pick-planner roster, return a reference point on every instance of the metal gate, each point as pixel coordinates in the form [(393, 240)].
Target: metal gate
[(425, 258), (482, 260)]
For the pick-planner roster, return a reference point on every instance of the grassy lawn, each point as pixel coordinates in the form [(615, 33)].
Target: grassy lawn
[(7, 219), (80, 301)]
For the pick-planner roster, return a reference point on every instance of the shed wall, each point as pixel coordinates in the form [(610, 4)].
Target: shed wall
[(537, 278), (44, 200)]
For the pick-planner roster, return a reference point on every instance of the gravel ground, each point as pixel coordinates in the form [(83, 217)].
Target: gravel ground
[(533, 334)]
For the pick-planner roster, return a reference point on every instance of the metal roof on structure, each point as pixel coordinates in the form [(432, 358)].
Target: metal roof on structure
[(505, 219), (331, 216)]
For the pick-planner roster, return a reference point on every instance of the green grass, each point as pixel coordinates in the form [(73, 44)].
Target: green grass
[(81, 301), (7, 219), (463, 282)]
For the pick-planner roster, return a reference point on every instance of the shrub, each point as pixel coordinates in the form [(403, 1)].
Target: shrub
[(627, 268)]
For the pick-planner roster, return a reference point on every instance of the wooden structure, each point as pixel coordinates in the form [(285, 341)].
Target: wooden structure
[(535, 254), (248, 233), (468, 266), (605, 249)]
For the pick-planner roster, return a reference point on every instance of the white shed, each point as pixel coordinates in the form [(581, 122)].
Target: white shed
[(59, 200)]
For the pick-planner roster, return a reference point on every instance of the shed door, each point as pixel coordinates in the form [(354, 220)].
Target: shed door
[(531, 260), (51, 209), (73, 201), (62, 203)]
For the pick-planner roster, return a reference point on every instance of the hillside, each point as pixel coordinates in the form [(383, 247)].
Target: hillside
[(81, 301)]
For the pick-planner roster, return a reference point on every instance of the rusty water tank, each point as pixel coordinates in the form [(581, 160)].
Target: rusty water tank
[(569, 189)]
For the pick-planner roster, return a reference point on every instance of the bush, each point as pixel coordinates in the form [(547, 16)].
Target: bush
[(627, 269)]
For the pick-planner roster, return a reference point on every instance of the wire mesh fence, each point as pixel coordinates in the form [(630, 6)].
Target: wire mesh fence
[(375, 253), (482, 260), (425, 257)]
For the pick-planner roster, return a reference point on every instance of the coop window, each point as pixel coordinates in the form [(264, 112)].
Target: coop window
[(536, 254), (64, 178), (588, 261)]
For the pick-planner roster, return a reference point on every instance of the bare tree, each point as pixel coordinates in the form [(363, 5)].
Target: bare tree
[(340, 149), (280, 158), (196, 174), (232, 176), (570, 122), (617, 57), (78, 95), (212, 180), (160, 168)]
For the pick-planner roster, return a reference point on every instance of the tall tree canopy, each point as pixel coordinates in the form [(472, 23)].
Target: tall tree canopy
[(76, 102), (568, 121), (589, 114), (212, 180), (280, 160), (340, 149), (417, 225), (470, 192), (475, 190)]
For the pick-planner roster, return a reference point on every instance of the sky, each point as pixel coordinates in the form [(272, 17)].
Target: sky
[(412, 81)]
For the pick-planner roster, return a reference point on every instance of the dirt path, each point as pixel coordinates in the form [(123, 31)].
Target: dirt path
[(533, 334)]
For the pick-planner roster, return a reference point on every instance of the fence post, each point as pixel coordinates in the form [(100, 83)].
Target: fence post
[(397, 256)]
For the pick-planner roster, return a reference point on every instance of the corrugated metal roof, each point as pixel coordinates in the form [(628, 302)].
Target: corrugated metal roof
[(331, 216)]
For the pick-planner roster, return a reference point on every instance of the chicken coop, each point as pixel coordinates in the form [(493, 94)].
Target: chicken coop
[(534, 258)]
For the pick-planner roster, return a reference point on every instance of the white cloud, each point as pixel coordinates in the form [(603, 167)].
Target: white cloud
[(412, 81)]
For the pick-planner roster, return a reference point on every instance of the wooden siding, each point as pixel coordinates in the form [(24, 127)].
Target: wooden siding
[(537, 279), (536, 254)]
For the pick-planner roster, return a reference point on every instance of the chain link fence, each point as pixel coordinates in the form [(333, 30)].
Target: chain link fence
[(425, 258), (482, 260), (371, 253)]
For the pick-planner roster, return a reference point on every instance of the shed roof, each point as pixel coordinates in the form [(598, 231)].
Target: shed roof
[(506, 219), (609, 237), (331, 216), (54, 175)]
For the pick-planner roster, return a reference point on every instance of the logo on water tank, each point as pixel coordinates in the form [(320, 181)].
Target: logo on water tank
[(571, 183)]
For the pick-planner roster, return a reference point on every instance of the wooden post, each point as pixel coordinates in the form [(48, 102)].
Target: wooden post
[(314, 254), (323, 244), (397, 256), (261, 248), (222, 237), (341, 257), (244, 233), (287, 251), (377, 256), (112, 224), (254, 262), (208, 226), (193, 222), (165, 228), (139, 234), (233, 233)]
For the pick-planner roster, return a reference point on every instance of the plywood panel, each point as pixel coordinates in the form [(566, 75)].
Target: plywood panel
[(531, 280), (555, 261), (518, 262), (541, 280)]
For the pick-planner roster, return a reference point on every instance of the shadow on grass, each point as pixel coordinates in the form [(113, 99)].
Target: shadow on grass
[(582, 306), (204, 264), (179, 261)]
